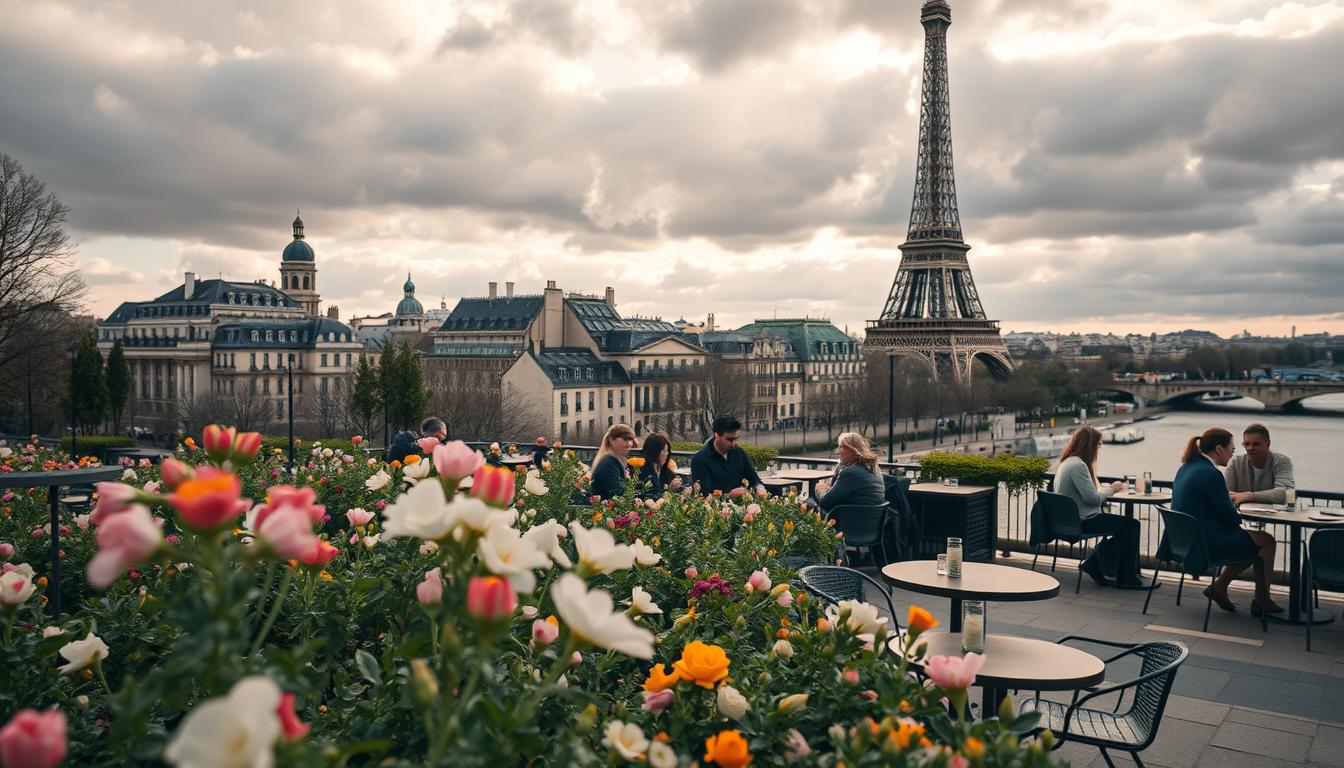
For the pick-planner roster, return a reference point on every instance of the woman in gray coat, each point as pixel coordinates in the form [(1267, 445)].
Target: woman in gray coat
[(856, 478), (1076, 477)]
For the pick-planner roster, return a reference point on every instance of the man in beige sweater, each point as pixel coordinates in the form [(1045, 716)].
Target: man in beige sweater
[(1259, 475)]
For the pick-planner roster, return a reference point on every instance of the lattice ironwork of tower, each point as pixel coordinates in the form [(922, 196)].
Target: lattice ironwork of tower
[(934, 312)]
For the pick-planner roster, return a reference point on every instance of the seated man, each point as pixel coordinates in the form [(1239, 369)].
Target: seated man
[(1260, 475), (721, 465)]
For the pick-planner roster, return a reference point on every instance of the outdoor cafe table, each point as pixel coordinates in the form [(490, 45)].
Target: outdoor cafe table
[(1019, 663), (809, 476), (970, 512), (515, 460), (1300, 609), (778, 485), (979, 581), (1132, 499), (54, 481)]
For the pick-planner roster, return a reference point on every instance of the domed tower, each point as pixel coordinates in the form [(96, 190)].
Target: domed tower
[(410, 313), (298, 272)]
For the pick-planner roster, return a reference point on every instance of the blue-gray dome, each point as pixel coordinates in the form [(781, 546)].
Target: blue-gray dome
[(298, 250), (410, 306)]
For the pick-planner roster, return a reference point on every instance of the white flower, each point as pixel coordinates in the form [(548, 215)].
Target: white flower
[(642, 602), (83, 653), (429, 548), (16, 585), (732, 704), (535, 485), (416, 471), (783, 649), (598, 550), (371, 541), (82, 521), (52, 631), (235, 730), (863, 617), (327, 453), (662, 756), (626, 739), (378, 481), (547, 537), (589, 617), (529, 611), (421, 512), (644, 554), (480, 517), (127, 474), (508, 553)]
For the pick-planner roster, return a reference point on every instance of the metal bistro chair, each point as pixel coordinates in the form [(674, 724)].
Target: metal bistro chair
[(1325, 567), (1065, 524), (862, 526), (833, 583), (1183, 542), (1132, 730)]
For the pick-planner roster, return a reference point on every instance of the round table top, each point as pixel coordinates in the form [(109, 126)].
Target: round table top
[(1306, 517), (1022, 662), (515, 459), (805, 474), (979, 581), (1134, 497)]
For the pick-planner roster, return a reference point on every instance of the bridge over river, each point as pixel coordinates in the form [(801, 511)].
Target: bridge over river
[(1276, 395)]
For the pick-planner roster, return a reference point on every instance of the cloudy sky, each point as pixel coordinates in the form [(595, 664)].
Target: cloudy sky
[(1122, 164)]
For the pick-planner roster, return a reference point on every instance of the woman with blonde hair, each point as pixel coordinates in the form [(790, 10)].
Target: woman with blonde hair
[(610, 468), (857, 480), (1076, 478)]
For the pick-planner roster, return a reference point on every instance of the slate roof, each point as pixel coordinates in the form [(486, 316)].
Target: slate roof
[(577, 367), (475, 349), (808, 337), (206, 292), (615, 334), (497, 314), (285, 334)]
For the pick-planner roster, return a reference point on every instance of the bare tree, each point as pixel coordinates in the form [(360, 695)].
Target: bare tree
[(725, 389), (246, 408), (37, 275), (328, 409), (480, 412)]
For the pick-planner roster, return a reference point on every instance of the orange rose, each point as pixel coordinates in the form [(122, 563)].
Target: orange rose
[(727, 750), (703, 664), (660, 679), (919, 620), (635, 461), (973, 748)]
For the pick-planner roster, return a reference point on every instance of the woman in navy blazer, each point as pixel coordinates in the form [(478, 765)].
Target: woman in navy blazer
[(1200, 491)]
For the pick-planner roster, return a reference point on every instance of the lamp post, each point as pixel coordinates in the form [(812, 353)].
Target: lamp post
[(891, 409), (74, 418), (289, 367)]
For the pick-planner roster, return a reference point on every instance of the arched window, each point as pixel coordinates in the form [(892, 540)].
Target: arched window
[(639, 429), (305, 282)]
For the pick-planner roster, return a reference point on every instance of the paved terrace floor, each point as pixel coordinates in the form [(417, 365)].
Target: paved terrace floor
[(1242, 698)]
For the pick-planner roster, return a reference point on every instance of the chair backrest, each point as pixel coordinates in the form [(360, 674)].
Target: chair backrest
[(1061, 513), (834, 583), (1185, 540), (895, 488), (861, 525), (1325, 550), (1156, 676)]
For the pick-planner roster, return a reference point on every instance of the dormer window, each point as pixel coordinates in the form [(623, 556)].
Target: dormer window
[(270, 335), (256, 336)]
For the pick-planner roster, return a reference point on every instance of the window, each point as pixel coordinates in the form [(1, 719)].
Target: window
[(324, 360), (622, 398), (578, 402), (270, 335), (279, 409), (253, 363), (591, 395), (611, 394), (564, 431), (592, 426), (279, 386), (564, 404), (790, 409), (324, 384), (256, 335), (266, 386), (610, 421)]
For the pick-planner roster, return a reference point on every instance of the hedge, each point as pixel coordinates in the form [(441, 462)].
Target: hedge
[(760, 455), (281, 443), (1017, 473), (97, 444)]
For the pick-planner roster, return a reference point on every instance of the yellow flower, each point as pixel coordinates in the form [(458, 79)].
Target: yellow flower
[(728, 750), (660, 679), (788, 526), (703, 664), (973, 748), (795, 703)]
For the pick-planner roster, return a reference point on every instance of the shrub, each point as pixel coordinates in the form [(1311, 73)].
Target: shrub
[(273, 443), (95, 445), (1017, 473), (760, 455)]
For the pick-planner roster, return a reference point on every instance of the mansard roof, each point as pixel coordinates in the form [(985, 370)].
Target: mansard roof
[(512, 313), (811, 339), (204, 294), (284, 334), (577, 367)]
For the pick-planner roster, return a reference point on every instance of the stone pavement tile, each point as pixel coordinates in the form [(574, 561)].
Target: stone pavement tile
[(1179, 743), (1274, 722), (1196, 710), (1201, 683), (1217, 757), (1328, 747), (1295, 659), (1067, 624), (1221, 650), (1265, 742)]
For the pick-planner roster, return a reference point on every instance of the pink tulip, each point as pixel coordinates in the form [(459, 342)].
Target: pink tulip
[(428, 444), (784, 600), (245, 448), (173, 472), (289, 531), (954, 673), (123, 540), (210, 499), (6, 550), (493, 485), (490, 598), (429, 592), (288, 496), (356, 440), (544, 632), (218, 442), (958, 761), (657, 701), (33, 739), (112, 498), (291, 727), (354, 538), (358, 516), (759, 581), (319, 553), (454, 460)]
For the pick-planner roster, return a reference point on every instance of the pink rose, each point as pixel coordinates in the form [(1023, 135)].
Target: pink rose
[(209, 499), (490, 598), (430, 591), (358, 516), (454, 460), (427, 444), (33, 739), (245, 448), (657, 701), (954, 673), (112, 498), (319, 553), (6, 550), (759, 581), (692, 572), (123, 540), (784, 600), (544, 632), (289, 531), (288, 496), (356, 440), (850, 676), (174, 472)]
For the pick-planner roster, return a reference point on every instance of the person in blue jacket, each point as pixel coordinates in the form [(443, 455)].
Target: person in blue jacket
[(1200, 491), (610, 468)]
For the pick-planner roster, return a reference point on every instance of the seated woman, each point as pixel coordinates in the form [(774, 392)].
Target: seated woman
[(609, 470), (1076, 477), (657, 473), (1200, 491), (857, 480)]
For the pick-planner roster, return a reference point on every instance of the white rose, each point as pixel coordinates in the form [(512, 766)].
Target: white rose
[(422, 513), (644, 554), (83, 653), (371, 541), (16, 586), (598, 550), (862, 617), (471, 512), (642, 602), (535, 485), (416, 471), (327, 453), (783, 649), (378, 481), (127, 474), (52, 631), (547, 537), (732, 704), (235, 730), (662, 756), (591, 619), (626, 739)]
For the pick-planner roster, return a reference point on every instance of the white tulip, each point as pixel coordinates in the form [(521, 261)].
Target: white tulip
[(421, 512), (17, 586), (127, 474), (626, 739), (417, 471), (644, 554), (378, 481), (508, 553), (590, 618), (662, 756), (52, 631), (235, 730), (783, 649), (547, 537), (371, 541), (863, 617), (327, 453), (732, 704), (642, 602), (480, 517), (83, 653), (598, 550), (535, 485)]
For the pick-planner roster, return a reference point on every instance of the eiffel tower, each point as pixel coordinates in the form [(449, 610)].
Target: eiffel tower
[(934, 312)]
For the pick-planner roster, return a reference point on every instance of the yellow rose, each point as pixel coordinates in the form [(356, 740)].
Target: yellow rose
[(702, 664), (660, 679), (728, 750), (635, 461)]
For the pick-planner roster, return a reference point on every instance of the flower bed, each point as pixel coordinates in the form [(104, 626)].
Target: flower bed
[(231, 613)]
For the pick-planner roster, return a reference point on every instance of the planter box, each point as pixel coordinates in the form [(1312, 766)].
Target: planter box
[(968, 511)]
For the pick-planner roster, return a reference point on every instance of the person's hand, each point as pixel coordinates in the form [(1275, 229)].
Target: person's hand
[(1241, 498), (675, 484), (1117, 486), (823, 486)]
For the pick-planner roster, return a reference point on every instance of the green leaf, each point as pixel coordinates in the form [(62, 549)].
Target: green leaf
[(368, 667)]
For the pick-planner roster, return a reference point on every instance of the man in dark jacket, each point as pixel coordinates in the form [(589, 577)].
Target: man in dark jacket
[(403, 445), (721, 465)]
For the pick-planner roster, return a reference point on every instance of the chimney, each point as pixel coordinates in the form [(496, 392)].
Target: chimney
[(709, 324), (611, 297), (508, 289), (553, 317), (494, 289), (334, 312), (189, 286)]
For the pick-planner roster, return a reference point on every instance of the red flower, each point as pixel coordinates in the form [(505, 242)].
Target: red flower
[(291, 727), (490, 598), (218, 442), (493, 485)]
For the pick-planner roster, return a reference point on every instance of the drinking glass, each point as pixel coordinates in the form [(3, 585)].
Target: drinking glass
[(1290, 498), (947, 481), (954, 482), (973, 626), (1130, 480), (942, 565), (953, 557), (1147, 482)]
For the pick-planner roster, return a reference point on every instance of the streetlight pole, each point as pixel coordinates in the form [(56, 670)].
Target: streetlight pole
[(74, 418), (290, 370), (891, 408)]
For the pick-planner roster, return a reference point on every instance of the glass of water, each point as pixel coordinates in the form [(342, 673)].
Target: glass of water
[(953, 482), (942, 565), (1130, 480)]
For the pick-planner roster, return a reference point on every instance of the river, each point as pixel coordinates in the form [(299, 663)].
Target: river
[(1314, 442)]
